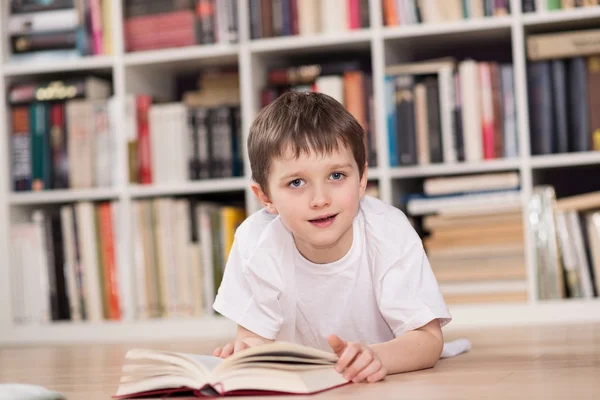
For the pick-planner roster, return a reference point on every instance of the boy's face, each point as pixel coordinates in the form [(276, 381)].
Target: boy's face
[(317, 199)]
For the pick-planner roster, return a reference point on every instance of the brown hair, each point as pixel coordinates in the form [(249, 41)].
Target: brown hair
[(306, 121)]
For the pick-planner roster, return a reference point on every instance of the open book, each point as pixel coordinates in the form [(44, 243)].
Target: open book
[(277, 367)]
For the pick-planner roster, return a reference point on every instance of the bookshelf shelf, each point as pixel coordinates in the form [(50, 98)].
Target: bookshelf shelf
[(457, 168), (474, 27), (195, 187), (217, 53), (154, 72), (561, 16), (62, 196), (214, 327), (565, 160), (344, 40), (95, 63)]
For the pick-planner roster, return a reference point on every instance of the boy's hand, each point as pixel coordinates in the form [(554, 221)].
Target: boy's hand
[(230, 348), (357, 362)]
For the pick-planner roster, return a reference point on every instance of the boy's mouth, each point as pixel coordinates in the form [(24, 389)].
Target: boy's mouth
[(323, 221)]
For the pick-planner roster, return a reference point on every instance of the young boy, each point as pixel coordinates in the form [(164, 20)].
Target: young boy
[(322, 264)]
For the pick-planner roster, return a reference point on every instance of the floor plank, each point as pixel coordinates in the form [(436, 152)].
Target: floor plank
[(534, 362)]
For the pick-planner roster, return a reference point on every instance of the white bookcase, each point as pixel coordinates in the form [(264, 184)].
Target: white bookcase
[(133, 73)]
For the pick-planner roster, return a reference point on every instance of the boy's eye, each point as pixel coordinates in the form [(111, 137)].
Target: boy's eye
[(296, 183), (336, 176)]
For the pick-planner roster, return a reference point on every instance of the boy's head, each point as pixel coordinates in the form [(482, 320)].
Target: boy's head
[(308, 160), (302, 122)]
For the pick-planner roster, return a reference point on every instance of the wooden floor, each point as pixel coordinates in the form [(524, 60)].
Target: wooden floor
[(549, 362)]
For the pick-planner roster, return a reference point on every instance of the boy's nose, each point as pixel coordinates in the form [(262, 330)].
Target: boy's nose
[(320, 198)]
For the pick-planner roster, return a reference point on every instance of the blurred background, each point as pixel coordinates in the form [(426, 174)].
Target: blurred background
[(123, 171)]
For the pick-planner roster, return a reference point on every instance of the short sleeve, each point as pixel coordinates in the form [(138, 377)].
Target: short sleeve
[(409, 295), (249, 296)]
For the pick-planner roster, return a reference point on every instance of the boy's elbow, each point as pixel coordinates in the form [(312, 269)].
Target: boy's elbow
[(437, 347)]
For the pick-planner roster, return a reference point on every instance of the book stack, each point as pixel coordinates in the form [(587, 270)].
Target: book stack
[(158, 24), (197, 137), (566, 236), (63, 134), (564, 91), (444, 111), (347, 81), (66, 262), (474, 236), (64, 265), (554, 5), (42, 30), (180, 250), (410, 12), (306, 17)]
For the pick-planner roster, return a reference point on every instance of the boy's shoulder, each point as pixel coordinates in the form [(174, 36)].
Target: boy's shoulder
[(255, 227), (387, 224)]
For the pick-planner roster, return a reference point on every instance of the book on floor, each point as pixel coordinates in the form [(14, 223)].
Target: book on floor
[(272, 368)]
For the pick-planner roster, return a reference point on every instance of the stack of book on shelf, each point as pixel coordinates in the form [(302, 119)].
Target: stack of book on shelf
[(474, 236), (566, 236), (65, 262), (62, 134), (180, 250), (444, 111), (410, 12), (158, 24), (41, 30), (306, 17), (198, 137), (64, 265), (564, 91), (554, 5), (347, 81)]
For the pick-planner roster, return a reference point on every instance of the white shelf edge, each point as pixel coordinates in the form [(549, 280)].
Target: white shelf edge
[(192, 187), (61, 196), (565, 160), (568, 15), (198, 52), (541, 312), (18, 68), (219, 328), (212, 327), (294, 42), (456, 168), (461, 26)]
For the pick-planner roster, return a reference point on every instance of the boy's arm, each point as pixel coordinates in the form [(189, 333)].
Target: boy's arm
[(243, 340), (418, 349), (412, 351)]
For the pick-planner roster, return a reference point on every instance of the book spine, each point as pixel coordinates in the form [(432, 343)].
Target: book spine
[(58, 144), (21, 149), (40, 147)]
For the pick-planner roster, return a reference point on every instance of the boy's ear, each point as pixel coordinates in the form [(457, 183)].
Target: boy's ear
[(263, 198), (363, 181)]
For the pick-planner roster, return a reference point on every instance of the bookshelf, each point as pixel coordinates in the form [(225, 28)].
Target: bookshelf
[(135, 72)]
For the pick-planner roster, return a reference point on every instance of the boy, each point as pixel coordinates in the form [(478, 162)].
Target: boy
[(322, 264)]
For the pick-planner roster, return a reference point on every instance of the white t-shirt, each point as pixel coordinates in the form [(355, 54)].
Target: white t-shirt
[(382, 288)]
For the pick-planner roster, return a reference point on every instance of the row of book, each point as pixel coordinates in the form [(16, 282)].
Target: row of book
[(347, 81), (444, 111), (67, 263), (197, 137), (564, 96), (59, 29), (270, 18), (566, 240), (157, 24), (553, 5), (472, 229), (410, 12), (563, 88), (63, 135)]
